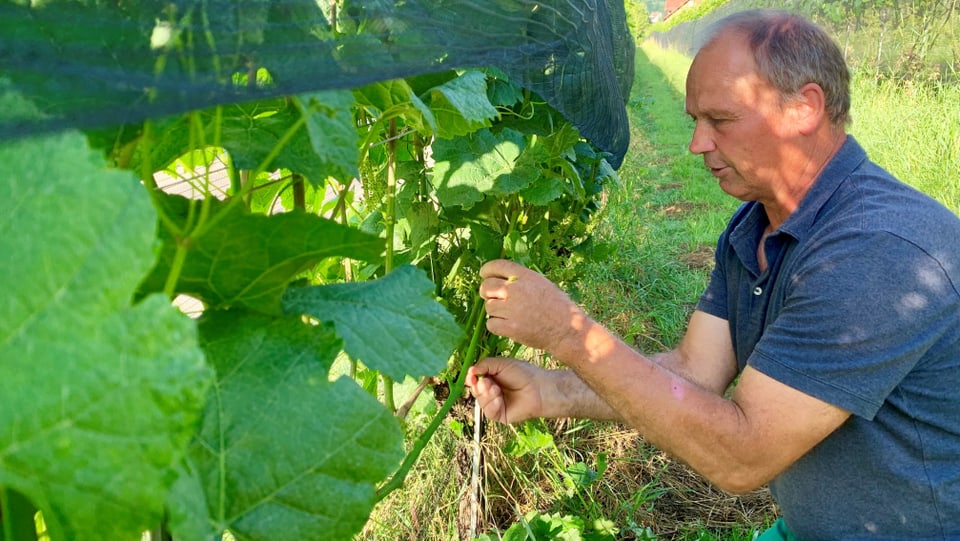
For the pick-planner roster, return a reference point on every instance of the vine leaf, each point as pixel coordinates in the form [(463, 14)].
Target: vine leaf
[(418, 223), (461, 105), (247, 260), (393, 324), (326, 146), (396, 98), (283, 452), (98, 397), (333, 134), (483, 162)]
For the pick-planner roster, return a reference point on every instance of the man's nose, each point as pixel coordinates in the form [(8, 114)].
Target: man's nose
[(702, 139)]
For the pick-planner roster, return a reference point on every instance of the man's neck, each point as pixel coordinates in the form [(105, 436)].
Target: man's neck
[(813, 159)]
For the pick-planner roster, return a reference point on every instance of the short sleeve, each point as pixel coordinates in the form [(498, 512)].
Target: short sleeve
[(859, 312), (714, 299)]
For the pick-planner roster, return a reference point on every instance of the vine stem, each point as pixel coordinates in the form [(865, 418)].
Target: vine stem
[(456, 391), (390, 220)]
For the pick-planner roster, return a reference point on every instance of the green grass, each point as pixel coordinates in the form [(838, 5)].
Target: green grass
[(914, 132)]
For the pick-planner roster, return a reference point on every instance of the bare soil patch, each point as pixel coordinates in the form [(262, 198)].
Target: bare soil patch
[(700, 257)]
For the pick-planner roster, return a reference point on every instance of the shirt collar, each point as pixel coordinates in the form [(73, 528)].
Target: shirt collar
[(843, 163)]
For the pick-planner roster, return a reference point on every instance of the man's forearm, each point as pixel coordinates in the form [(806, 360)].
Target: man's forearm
[(680, 416), (571, 397)]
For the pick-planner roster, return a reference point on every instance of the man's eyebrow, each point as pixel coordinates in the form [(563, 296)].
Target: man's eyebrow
[(711, 112)]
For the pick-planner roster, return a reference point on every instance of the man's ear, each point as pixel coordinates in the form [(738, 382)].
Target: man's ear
[(810, 108)]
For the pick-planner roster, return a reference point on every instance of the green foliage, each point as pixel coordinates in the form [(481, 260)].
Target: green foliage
[(416, 333), (315, 472), (98, 396), (469, 167), (904, 40), (555, 527), (638, 18), (688, 14), (353, 228), (247, 259)]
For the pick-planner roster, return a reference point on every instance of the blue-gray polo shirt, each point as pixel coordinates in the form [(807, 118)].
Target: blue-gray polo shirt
[(859, 307)]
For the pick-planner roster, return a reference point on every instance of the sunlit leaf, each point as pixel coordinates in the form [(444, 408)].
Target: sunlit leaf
[(461, 105), (483, 162), (284, 453), (98, 397), (249, 259), (333, 135), (394, 324)]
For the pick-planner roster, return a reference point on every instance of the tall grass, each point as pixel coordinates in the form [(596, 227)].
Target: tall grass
[(913, 131)]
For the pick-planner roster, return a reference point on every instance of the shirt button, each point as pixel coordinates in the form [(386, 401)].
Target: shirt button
[(758, 290)]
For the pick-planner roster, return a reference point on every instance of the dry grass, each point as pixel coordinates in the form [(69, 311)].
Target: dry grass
[(640, 489)]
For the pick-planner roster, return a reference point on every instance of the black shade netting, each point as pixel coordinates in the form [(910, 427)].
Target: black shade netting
[(97, 63)]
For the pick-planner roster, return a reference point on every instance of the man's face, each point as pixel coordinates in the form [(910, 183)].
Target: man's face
[(741, 129)]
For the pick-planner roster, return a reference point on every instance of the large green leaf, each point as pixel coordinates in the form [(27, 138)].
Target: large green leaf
[(251, 131), (248, 260), (98, 397), (461, 105), (483, 162), (324, 146), (332, 131), (394, 324), (396, 98), (284, 453)]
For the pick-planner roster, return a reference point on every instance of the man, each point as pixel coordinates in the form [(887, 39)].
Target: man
[(834, 303)]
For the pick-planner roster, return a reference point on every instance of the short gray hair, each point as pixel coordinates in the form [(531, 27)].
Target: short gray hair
[(791, 51)]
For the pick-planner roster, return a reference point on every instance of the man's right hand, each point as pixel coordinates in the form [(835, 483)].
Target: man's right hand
[(509, 390)]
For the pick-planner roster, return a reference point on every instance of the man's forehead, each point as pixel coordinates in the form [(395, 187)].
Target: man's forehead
[(725, 61), (721, 85), (728, 49)]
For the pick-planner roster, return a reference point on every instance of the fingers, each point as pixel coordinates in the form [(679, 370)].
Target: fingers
[(503, 269), (489, 395), (489, 366), (497, 276), (494, 289)]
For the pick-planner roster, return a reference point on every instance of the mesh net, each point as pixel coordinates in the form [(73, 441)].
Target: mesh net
[(97, 63)]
